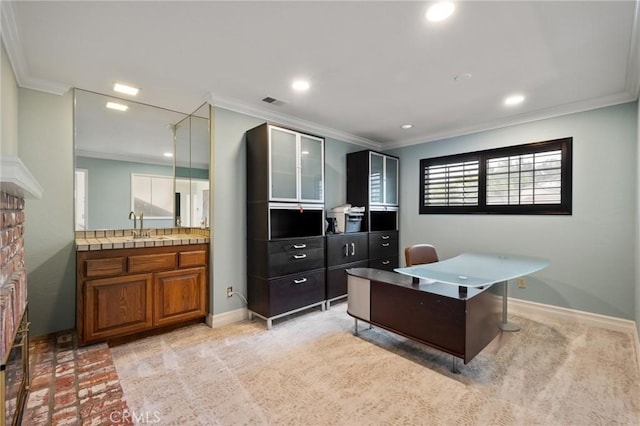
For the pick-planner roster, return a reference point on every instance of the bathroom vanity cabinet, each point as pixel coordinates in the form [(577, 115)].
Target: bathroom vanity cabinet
[(122, 292)]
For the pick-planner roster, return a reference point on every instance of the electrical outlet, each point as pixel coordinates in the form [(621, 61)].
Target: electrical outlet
[(229, 291), (522, 282)]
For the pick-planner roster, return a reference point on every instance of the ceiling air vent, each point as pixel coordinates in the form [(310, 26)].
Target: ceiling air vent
[(273, 101)]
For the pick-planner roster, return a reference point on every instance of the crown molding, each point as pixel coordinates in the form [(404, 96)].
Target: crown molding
[(543, 114), (13, 45), (633, 61), (288, 120)]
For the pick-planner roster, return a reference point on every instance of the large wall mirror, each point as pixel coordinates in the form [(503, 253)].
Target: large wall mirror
[(135, 157)]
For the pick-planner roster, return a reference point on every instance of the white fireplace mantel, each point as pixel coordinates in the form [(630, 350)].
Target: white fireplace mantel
[(16, 179)]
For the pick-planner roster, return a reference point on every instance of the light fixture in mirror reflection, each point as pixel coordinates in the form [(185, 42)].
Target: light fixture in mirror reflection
[(122, 166)]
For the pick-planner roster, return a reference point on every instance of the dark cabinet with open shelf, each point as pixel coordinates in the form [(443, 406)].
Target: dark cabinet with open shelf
[(372, 182), (285, 221)]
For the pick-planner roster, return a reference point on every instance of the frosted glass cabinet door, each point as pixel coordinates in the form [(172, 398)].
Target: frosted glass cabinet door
[(376, 178), (311, 169), (391, 181), (283, 151)]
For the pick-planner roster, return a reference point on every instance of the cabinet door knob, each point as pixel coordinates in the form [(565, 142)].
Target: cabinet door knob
[(385, 244), (300, 281), (299, 246), (299, 256)]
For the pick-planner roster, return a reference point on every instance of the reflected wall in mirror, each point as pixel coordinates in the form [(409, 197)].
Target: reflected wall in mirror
[(125, 161)]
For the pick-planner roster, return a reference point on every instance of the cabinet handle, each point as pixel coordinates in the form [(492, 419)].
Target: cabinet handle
[(353, 249), (385, 237), (346, 249), (299, 246), (385, 244), (386, 262), (300, 281), (299, 256)]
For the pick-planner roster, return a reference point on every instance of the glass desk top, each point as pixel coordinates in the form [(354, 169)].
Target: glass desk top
[(475, 269)]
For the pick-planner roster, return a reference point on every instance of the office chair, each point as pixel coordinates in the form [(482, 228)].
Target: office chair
[(419, 254)]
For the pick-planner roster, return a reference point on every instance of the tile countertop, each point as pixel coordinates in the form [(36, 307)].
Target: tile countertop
[(119, 242)]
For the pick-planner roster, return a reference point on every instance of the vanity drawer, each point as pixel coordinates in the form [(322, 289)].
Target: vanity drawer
[(104, 267), (383, 244), (192, 258), (152, 262)]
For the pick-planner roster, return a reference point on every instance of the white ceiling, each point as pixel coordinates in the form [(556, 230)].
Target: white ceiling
[(373, 65)]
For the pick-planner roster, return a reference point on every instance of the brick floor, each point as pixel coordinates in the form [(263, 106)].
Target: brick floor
[(71, 385)]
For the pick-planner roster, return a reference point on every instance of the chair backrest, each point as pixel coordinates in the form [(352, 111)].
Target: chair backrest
[(419, 254)]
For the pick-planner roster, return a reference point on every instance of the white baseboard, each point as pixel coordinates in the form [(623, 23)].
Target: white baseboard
[(596, 320), (226, 318)]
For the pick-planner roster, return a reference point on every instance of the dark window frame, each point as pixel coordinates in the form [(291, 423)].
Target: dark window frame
[(562, 208)]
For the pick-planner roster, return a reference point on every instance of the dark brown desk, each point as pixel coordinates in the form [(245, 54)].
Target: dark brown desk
[(435, 314)]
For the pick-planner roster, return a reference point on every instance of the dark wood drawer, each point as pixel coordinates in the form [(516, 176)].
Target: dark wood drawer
[(383, 244), (295, 291), (294, 256), (384, 263), (347, 248), (104, 267), (152, 262)]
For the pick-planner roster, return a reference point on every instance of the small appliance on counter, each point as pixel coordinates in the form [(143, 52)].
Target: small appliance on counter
[(344, 218)]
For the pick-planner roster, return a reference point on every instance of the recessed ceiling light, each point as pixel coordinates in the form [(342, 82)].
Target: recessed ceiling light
[(116, 106), (123, 88), (301, 85), (513, 100), (407, 126), (168, 154), (440, 11)]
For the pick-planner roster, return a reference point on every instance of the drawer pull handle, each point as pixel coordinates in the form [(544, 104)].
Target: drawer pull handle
[(299, 246), (385, 244), (299, 256), (353, 249), (386, 262), (300, 281), (385, 237)]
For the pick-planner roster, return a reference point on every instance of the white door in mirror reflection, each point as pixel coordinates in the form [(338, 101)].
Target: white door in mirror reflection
[(152, 195), (81, 196), (193, 201)]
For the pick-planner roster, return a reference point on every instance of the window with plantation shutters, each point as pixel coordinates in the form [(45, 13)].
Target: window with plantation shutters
[(525, 179)]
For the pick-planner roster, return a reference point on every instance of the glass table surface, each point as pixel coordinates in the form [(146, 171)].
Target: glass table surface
[(476, 269)]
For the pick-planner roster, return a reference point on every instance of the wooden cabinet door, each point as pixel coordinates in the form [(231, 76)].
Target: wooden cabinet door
[(179, 295), (117, 306)]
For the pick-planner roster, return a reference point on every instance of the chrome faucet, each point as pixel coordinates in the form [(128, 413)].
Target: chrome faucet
[(141, 234), (132, 215)]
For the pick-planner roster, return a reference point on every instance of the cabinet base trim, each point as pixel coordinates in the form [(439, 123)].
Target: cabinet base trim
[(226, 318), (269, 320)]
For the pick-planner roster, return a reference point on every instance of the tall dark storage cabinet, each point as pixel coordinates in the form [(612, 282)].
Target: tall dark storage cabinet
[(285, 221), (372, 181)]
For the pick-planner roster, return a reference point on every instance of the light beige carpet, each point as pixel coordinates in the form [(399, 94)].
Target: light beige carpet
[(311, 370)]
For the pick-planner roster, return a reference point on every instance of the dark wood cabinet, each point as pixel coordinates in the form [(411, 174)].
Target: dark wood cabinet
[(344, 251), (122, 292), (372, 182), (285, 221)]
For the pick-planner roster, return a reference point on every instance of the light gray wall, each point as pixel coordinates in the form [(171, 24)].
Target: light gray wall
[(45, 146), (228, 247), (110, 192), (8, 107), (592, 252)]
